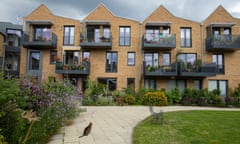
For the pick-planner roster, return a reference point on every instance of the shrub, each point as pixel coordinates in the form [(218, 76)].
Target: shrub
[(174, 96), (129, 99), (155, 98), (187, 97), (236, 95), (140, 94), (104, 101)]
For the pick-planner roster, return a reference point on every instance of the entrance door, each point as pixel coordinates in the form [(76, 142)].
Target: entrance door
[(34, 66)]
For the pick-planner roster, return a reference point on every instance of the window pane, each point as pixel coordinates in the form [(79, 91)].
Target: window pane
[(155, 58), (53, 56), (111, 62), (212, 85), (166, 59), (131, 58), (34, 63)]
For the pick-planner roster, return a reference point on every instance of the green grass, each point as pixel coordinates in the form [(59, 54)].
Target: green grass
[(191, 127)]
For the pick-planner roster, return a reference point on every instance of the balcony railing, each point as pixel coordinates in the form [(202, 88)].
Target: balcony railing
[(180, 69), (96, 40), (203, 70), (170, 70), (76, 69), (41, 42), (159, 41), (223, 42)]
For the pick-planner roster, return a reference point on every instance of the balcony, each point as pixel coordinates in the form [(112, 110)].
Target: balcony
[(159, 41), (204, 70), (170, 70), (95, 41), (223, 43), (41, 42), (81, 69)]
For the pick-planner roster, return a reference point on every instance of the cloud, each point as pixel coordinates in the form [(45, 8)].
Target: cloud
[(196, 10)]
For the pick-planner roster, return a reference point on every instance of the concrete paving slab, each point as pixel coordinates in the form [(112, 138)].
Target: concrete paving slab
[(112, 124)]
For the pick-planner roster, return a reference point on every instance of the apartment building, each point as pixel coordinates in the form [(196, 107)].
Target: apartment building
[(164, 51), (10, 48), (51, 47), (112, 44), (221, 38), (171, 47)]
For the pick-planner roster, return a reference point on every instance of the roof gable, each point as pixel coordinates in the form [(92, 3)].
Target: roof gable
[(101, 12), (42, 9), (219, 14)]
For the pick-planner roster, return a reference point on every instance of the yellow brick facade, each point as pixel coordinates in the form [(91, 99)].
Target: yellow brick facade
[(160, 15)]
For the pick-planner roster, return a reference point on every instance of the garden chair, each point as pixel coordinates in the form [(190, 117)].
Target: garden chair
[(157, 117)]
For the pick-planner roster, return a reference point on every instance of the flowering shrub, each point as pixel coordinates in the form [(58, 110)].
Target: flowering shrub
[(129, 99), (155, 98), (51, 102)]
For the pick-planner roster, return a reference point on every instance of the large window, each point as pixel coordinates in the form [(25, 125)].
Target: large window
[(131, 58), (34, 63), (181, 84), (151, 59), (221, 85), (111, 62), (187, 58), (186, 37), (14, 37), (68, 38), (111, 83), (219, 60), (152, 33), (42, 33), (71, 57), (124, 36), (150, 83)]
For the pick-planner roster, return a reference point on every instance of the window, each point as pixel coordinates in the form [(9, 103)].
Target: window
[(34, 63), (106, 32), (150, 83), (152, 34), (42, 33), (221, 85), (219, 60), (131, 58), (71, 57), (131, 82), (166, 59), (188, 58), (197, 84), (111, 62), (68, 37), (111, 83), (151, 59), (124, 36), (12, 61), (53, 56), (186, 37), (86, 56), (14, 37), (181, 84)]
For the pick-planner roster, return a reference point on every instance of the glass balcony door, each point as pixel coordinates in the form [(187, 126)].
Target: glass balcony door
[(34, 67)]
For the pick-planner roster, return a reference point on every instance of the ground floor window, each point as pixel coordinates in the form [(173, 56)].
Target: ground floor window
[(150, 83), (221, 85), (111, 83), (180, 84), (197, 84), (131, 82)]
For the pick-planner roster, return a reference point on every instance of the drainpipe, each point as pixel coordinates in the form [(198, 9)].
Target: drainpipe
[(140, 57), (201, 46)]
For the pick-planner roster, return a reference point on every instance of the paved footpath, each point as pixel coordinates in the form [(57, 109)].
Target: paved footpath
[(112, 124)]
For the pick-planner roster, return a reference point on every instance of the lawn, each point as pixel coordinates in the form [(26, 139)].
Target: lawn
[(191, 127)]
